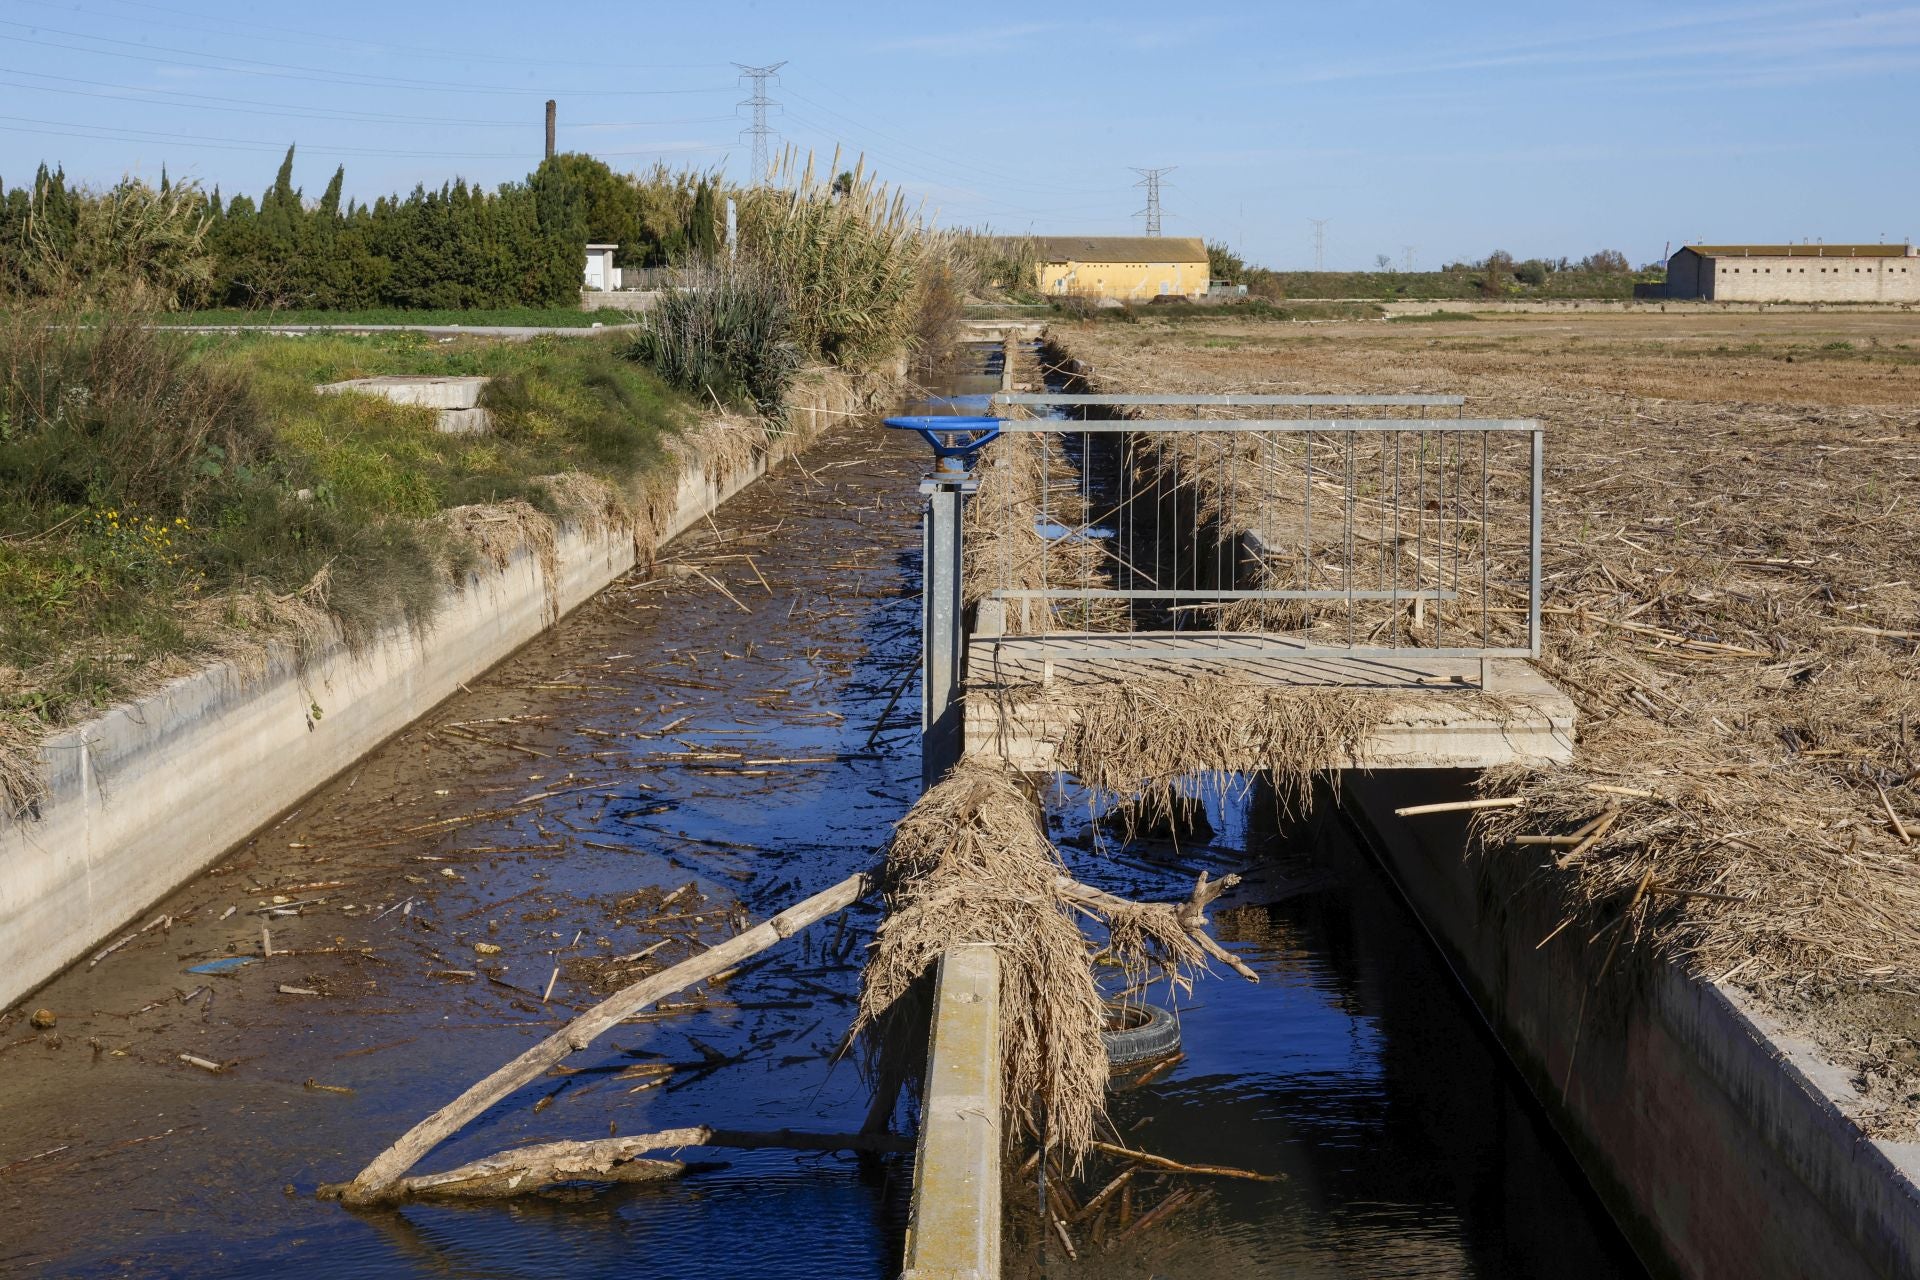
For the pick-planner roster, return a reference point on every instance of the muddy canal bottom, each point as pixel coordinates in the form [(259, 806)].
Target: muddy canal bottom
[(693, 748)]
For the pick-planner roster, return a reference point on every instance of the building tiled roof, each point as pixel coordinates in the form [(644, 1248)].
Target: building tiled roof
[(1799, 250), (1120, 248)]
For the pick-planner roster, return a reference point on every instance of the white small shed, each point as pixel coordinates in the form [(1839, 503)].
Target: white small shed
[(602, 275)]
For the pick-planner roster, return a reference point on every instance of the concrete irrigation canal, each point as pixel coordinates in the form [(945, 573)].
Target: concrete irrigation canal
[(719, 735)]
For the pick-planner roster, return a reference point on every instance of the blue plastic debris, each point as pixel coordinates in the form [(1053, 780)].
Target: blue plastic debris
[(228, 965)]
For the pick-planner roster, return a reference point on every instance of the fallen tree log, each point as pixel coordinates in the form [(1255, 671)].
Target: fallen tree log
[(525, 1170), (1189, 916), (371, 1185)]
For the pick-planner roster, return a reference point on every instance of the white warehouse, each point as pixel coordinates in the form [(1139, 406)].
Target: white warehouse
[(1795, 273)]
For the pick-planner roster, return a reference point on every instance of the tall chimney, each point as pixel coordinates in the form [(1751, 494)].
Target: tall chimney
[(550, 114)]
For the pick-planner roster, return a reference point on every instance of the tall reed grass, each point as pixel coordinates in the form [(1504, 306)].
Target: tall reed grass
[(850, 256), (725, 331), (131, 244)]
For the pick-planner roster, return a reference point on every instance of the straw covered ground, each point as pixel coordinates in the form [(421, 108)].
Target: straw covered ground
[(1732, 579)]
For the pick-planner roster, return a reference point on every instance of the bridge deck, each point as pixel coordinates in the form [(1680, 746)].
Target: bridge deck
[(1021, 693)]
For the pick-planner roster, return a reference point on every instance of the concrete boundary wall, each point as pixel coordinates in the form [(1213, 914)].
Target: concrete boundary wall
[(1638, 306), (150, 793), (1721, 1144), (954, 1231)]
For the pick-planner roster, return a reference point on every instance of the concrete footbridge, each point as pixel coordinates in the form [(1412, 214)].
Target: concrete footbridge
[(1348, 548)]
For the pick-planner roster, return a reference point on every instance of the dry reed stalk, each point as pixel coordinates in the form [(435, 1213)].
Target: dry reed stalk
[(1023, 478), (23, 781), (1159, 739), (971, 862)]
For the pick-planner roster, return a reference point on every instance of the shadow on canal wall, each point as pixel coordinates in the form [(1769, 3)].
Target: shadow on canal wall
[(1720, 1143), (145, 796)]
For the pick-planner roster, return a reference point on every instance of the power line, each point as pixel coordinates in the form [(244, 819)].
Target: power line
[(101, 133), (1319, 242), (1406, 257), (438, 51), (1150, 179), (293, 71), (945, 159), (257, 107), (758, 130), (898, 167)]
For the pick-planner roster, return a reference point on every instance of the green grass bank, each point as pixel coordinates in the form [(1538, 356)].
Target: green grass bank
[(170, 497)]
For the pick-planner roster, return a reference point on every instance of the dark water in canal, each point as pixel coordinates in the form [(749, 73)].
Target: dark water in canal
[(755, 743)]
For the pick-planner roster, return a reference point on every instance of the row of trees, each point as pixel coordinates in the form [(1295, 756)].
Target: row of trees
[(1224, 264), (1500, 264), (459, 246)]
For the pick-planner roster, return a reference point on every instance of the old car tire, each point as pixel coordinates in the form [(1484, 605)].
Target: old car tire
[(1147, 1032)]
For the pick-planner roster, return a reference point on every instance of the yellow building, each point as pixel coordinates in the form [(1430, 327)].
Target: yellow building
[(1123, 267)]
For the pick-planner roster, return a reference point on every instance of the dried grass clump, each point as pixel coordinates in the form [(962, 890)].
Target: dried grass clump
[(498, 531), (23, 783), (1152, 740), (588, 501), (1144, 937), (1024, 477), (970, 863), (1006, 551)]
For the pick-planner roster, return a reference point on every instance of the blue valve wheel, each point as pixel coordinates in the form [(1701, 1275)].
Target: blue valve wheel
[(955, 436)]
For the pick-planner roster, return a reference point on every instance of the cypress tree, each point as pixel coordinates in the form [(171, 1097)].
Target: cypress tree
[(563, 236), (703, 233), (330, 198)]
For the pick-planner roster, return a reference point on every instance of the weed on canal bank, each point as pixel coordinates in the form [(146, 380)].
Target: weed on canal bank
[(164, 497)]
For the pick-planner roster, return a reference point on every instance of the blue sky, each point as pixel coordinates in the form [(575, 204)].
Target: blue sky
[(1446, 130)]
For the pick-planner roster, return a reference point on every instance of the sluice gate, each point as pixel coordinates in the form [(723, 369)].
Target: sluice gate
[(1087, 572)]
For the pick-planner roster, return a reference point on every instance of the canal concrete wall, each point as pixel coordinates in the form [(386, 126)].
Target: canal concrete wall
[(1638, 306), (147, 795), (1722, 1144), (954, 1230)]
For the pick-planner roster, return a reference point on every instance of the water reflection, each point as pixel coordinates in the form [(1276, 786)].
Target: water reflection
[(1355, 1067)]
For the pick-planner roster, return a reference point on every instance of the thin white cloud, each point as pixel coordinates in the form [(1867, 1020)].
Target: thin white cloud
[(974, 40), (1787, 30)]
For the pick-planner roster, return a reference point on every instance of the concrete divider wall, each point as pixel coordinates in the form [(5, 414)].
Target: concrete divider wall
[(147, 795), (1636, 306), (954, 1230), (1720, 1143)]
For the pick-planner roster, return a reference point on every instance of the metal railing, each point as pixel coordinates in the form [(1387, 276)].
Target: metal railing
[(1353, 526)]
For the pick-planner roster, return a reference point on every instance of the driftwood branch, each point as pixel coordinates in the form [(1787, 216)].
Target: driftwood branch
[(1190, 916), (387, 1168), (1175, 1166), (525, 1170)]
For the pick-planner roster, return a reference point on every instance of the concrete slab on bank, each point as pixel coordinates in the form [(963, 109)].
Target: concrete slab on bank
[(457, 399)]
